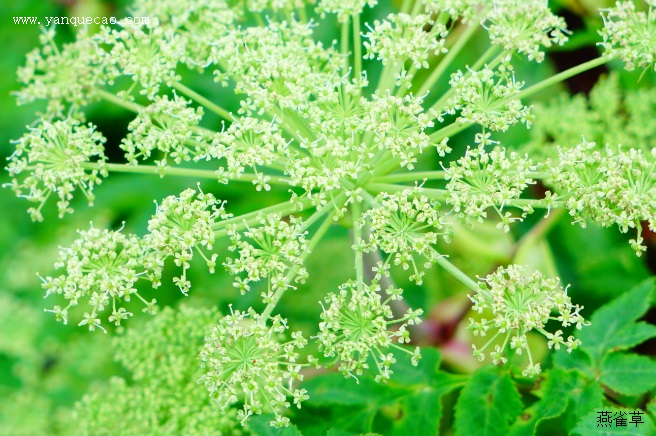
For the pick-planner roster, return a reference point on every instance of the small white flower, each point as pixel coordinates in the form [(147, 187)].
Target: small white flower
[(354, 327), (519, 304), (166, 125), (629, 34), (525, 26), (51, 158), (245, 361), (183, 225), (102, 267)]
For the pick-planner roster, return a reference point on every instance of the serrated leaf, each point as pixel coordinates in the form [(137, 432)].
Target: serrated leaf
[(420, 414), (582, 400), (610, 325), (651, 407), (628, 374), (487, 405), (412, 395), (335, 389), (590, 425), (577, 359), (260, 426), (407, 374), (560, 391), (632, 335)]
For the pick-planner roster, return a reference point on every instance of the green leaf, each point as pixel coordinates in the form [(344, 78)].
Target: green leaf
[(260, 426), (583, 399), (590, 425), (407, 374), (577, 359), (335, 389), (487, 405), (596, 279), (628, 374), (561, 391), (612, 325), (632, 335), (337, 432), (410, 403), (420, 414)]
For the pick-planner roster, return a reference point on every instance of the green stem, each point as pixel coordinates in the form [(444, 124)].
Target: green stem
[(448, 131), (357, 240), (456, 272), (184, 172), (406, 5), (443, 194), (345, 46), (133, 107), (284, 208), (446, 61), (202, 100), (387, 76), (411, 177), (416, 8), (357, 46), (564, 75)]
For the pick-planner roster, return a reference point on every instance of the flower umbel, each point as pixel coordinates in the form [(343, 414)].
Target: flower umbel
[(269, 251), (53, 158), (103, 267), (355, 326), (246, 361), (630, 34), (488, 97), (525, 26), (405, 226), (166, 125), (519, 304), (183, 225)]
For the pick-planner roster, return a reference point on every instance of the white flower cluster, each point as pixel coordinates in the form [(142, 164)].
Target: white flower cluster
[(68, 74), (166, 125), (525, 26), (51, 158), (520, 303), (354, 329), (157, 401), (406, 224), (464, 9), (149, 54), (168, 339), (487, 97), (481, 180), (401, 37), (629, 34), (279, 67), (335, 150), (611, 185), (183, 225), (344, 8), (244, 361), (197, 24), (399, 125), (249, 143), (103, 267), (269, 251)]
